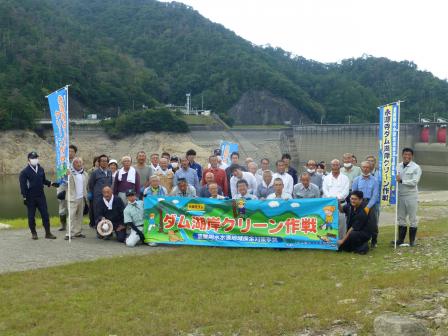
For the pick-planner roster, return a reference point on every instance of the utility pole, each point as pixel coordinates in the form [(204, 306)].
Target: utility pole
[(202, 101), (349, 119)]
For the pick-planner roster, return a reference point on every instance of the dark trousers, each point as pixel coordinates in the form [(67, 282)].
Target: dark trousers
[(39, 203), (376, 215), (356, 242), (121, 235)]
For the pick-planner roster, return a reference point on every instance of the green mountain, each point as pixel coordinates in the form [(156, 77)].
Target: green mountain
[(121, 54)]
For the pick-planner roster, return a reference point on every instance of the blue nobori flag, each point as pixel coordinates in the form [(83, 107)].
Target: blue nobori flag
[(58, 102), (389, 129)]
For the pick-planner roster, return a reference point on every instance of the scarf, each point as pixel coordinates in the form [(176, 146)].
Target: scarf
[(130, 172), (109, 204)]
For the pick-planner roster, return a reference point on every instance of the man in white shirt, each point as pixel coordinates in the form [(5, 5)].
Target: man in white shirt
[(336, 184), (279, 193), (408, 177), (238, 175), (288, 182)]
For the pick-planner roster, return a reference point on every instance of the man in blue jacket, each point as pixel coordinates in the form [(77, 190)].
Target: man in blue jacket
[(32, 180)]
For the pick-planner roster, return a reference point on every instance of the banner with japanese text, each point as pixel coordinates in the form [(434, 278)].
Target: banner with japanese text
[(227, 148), (58, 102), (298, 223), (388, 151)]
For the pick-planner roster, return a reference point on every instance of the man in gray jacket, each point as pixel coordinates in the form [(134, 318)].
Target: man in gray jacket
[(408, 177)]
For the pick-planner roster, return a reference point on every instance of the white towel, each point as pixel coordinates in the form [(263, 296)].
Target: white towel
[(109, 204), (131, 174)]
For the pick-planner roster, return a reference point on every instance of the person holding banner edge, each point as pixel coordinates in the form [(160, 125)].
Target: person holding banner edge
[(32, 181), (408, 177)]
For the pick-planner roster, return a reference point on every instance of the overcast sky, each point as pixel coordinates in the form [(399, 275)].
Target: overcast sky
[(331, 30)]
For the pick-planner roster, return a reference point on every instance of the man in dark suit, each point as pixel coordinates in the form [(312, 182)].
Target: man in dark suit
[(111, 207), (32, 181)]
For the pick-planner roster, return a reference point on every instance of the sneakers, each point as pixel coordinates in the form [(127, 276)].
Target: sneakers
[(153, 244), (34, 236), (49, 235)]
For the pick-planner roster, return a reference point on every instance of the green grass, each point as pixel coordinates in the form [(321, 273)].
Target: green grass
[(22, 223), (198, 120), (250, 291)]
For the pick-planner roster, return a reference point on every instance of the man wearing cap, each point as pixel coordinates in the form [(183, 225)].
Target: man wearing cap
[(112, 208), (133, 218), (32, 180)]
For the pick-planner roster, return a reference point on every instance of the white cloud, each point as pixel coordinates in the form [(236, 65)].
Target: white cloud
[(175, 201), (274, 204), (329, 31), (295, 205)]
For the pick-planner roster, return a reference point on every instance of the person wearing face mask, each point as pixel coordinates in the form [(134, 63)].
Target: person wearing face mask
[(32, 181), (174, 164), (369, 186), (315, 176), (349, 169)]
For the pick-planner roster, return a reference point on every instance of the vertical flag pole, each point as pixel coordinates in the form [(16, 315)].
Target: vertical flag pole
[(397, 184), (68, 175)]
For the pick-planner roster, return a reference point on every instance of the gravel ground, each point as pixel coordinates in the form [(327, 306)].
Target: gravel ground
[(19, 252)]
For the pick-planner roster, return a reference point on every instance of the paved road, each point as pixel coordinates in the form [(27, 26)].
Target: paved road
[(18, 252)]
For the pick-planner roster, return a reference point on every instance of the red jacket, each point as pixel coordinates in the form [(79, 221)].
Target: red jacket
[(220, 178)]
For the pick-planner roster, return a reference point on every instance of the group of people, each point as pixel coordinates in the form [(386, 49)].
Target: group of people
[(113, 192)]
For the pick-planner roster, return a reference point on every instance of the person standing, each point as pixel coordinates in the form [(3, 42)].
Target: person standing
[(369, 186), (238, 175), (306, 189), (286, 158), (315, 178), (218, 173), (187, 173), (288, 181), (349, 169), (191, 156), (32, 180), (77, 181), (154, 162), (267, 185), (337, 185), (408, 177), (127, 178), (165, 174), (98, 179), (144, 171), (62, 190)]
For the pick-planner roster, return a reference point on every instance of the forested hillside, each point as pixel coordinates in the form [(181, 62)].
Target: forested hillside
[(119, 55)]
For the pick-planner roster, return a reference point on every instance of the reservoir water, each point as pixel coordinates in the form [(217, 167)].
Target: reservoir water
[(11, 204)]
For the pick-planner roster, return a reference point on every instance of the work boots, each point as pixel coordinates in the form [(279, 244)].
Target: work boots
[(412, 234), (402, 230), (63, 219)]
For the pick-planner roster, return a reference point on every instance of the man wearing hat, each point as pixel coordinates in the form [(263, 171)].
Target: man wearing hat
[(133, 218), (32, 180)]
